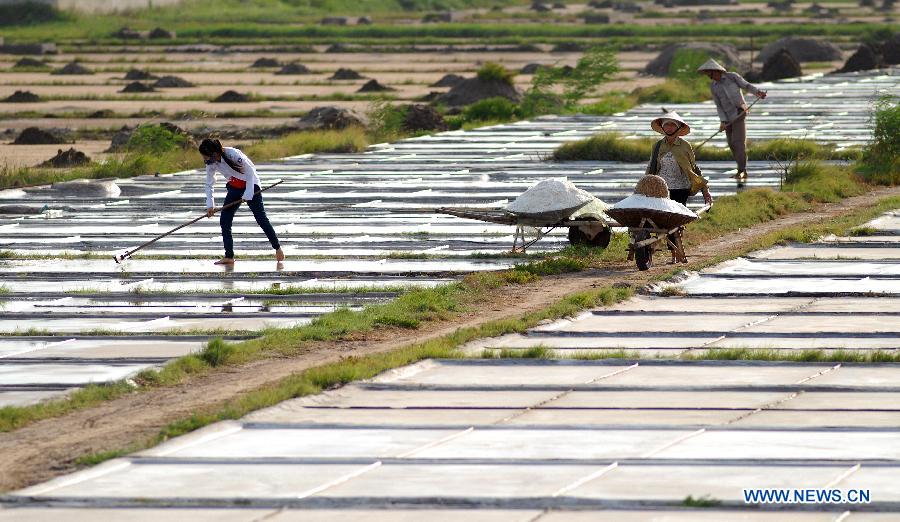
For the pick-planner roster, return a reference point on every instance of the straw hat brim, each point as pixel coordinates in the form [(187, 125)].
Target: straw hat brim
[(684, 130), (711, 65)]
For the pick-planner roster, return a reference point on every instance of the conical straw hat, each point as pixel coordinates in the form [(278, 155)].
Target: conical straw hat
[(683, 128), (711, 65)]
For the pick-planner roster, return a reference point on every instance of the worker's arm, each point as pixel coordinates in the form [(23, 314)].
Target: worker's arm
[(747, 86), (210, 181), (743, 84), (248, 191)]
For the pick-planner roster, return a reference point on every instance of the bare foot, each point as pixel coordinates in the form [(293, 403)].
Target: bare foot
[(225, 261), (279, 255)]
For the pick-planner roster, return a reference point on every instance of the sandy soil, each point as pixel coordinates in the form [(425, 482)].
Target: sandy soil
[(49, 448), (31, 155), (118, 123), (214, 73)]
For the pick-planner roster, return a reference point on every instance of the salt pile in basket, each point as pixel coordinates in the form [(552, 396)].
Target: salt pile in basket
[(651, 199), (555, 199)]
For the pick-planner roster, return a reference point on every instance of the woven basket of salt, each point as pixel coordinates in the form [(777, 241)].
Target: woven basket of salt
[(651, 202)]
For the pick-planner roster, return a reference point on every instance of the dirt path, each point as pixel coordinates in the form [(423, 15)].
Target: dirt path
[(49, 448)]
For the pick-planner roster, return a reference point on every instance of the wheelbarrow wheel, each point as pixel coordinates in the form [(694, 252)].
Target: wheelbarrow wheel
[(578, 237), (643, 256)]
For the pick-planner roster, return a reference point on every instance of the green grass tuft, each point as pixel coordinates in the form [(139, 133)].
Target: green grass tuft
[(597, 355), (13, 417), (93, 459), (494, 72), (535, 352), (217, 352), (810, 355), (700, 502), (352, 139), (864, 231), (822, 183), (673, 91), (614, 147)]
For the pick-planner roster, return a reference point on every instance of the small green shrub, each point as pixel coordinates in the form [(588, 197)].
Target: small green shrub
[(385, 121), (881, 158), (685, 63), (217, 352), (493, 109), (536, 103), (598, 65), (610, 103), (494, 72), (155, 139)]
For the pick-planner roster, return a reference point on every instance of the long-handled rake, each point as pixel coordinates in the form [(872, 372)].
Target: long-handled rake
[(739, 116), (121, 257)]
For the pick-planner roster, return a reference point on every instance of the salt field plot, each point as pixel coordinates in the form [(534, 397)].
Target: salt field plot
[(356, 227), (822, 304), (525, 435), (563, 439)]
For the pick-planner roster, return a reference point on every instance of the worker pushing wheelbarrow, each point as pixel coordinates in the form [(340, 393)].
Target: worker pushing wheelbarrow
[(548, 205), (652, 218), (656, 212)]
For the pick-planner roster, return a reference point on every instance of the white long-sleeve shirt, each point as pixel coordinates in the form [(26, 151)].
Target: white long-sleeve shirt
[(248, 175), (728, 96)]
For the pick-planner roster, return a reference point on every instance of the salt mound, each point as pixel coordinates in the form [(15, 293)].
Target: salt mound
[(554, 198), (665, 213), (596, 209), (642, 202), (88, 188)]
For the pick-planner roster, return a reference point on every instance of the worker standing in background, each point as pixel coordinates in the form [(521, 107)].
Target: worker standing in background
[(726, 88)]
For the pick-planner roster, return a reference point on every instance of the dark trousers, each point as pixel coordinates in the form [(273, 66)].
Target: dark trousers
[(259, 212), (681, 196)]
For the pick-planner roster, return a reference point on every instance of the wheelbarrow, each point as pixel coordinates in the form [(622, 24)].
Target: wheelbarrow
[(582, 231), (648, 228)]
